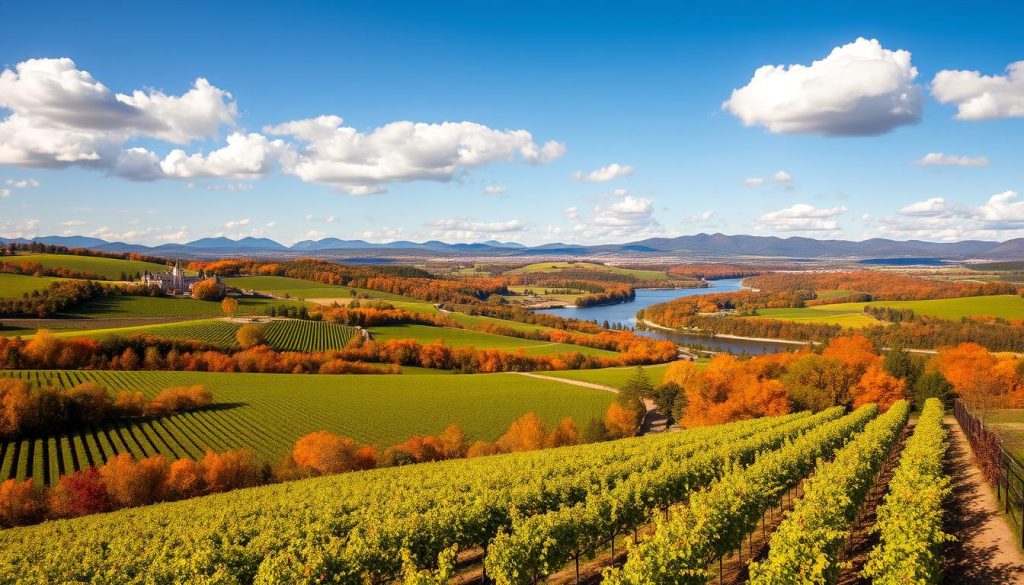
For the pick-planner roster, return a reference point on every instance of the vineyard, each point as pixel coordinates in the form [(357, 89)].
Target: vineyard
[(358, 525), (267, 413), (282, 335)]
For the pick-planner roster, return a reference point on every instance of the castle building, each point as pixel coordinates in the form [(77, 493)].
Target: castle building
[(175, 281)]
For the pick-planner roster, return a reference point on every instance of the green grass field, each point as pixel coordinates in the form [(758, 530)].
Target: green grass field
[(852, 314), (614, 377), (304, 289), (109, 268), (464, 338), (282, 335), (1009, 423), (15, 285), (133, 306), (556, 267), (268, 412)]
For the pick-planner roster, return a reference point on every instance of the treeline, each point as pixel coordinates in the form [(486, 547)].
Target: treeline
[(870, 285), (143, 352), (711, 271), (27, 411), (12, 248), (890, 314), (610, 295), (63, 295)]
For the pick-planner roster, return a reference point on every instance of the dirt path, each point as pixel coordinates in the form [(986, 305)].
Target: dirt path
[(652, 423), (986, 550)]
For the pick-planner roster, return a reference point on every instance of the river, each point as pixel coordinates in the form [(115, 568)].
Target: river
[(625, 313)]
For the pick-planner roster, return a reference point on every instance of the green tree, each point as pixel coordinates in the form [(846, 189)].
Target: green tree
[(635, 390), (594, 431), (669, 399), (902, 364), (816, 382), (933, 385)]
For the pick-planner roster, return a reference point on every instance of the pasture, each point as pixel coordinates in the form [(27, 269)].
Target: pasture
[(305, 289), (614, 377), (1009, 424), (465, 338), (852, 314), (109, 268), (268, 412), (16, 285)]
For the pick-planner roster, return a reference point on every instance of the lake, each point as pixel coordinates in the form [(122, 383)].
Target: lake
[(625, 313)]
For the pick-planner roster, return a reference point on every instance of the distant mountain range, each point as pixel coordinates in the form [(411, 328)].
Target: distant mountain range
[(698, 246)]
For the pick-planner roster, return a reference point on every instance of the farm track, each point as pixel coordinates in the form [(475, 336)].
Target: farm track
[(985, 550)]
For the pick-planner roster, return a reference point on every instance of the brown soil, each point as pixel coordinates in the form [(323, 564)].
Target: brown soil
[(986, 548)]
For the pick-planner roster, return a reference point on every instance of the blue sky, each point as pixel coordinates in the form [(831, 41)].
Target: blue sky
[(534, 93)]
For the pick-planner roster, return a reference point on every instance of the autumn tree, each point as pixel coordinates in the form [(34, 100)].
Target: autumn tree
[(526, 433), (229, 305), (185, 479), (452, 442), (816, 382), (134, 483), (594, 431), (250, 336), (230, 470), (563, 435), (207, 290), (933, 385), (325, 453), (879, 387), (21, 502), (620, 422), (856, 351), (79, 494)]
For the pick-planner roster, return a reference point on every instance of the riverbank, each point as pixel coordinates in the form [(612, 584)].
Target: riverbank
[(654, 325)]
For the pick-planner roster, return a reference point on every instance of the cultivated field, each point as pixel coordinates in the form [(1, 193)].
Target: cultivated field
[(304, 289), (852, 314), (15, 285), (135, 306), (268, 412), (109, 268), (614, 377), (465, 338)]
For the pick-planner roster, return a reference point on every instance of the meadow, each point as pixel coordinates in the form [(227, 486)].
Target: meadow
[(466, 338), (109, 268), (852, 314), (268, 412), (1009, 423), (16, 285), (304, 289), (613, 377)]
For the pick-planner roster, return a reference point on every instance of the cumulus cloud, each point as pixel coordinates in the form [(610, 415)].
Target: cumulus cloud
[(73, 223), (802, 218), (753, 182), (5, 193), (707, 219), (982, 97), (626, 217), (459, 229), (362, 163), (495, 189), (229, 187), (782, 177), (859, 89), (571, 212), (999, 217), (323, 219), (604, 174), (61, 115), (949, 160), (23, 228)]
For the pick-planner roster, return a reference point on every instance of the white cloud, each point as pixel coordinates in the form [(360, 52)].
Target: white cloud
[(22, 183), (61, 115), (363, 163), (462, 230), (753, 182), (982, 97), (940, 159), (73, 223), (237, 223), (5, 193), (628, 217), (384, 234), (604, 174), (707, 219), (933, 207), (229, 187), (859, 89), (246, 156), (1003, 211), (495, 189), (802, 218), (324, 219), (25, 228), (782, 177), (571, 212)]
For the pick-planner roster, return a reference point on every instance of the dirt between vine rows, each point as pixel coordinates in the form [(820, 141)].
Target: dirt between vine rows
[(985, 550)]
